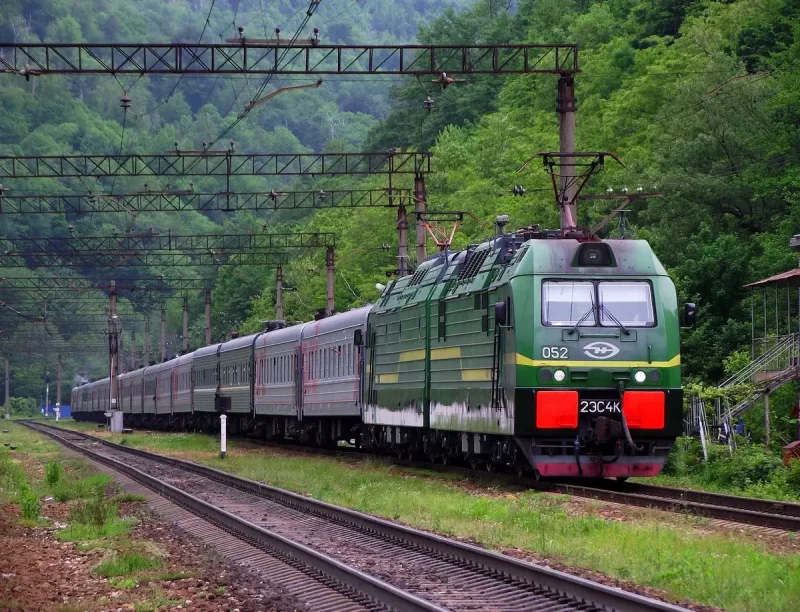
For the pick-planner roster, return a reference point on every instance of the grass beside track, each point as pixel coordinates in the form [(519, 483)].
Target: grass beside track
[(708, 567), (37, 475)]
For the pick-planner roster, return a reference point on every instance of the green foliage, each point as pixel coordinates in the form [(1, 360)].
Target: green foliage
[(30, 506), (96, 511), (53, 472), (123, 564), (750, 470)]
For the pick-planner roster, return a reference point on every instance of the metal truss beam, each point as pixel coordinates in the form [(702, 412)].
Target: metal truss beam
[(80, 285), (203, 202), (133, 259), (214, 244), (212, 163), (68, 296), (283, 59)]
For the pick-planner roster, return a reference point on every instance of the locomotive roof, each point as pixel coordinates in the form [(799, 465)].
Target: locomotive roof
[(632, 257), (497, 261)]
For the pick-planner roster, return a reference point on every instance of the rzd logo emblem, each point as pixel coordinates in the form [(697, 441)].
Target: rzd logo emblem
[(600, 350)]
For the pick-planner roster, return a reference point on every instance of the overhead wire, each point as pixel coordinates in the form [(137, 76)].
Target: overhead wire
[(206, 24)]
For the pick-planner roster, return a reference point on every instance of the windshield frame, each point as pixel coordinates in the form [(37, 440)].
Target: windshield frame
[(598, 315)]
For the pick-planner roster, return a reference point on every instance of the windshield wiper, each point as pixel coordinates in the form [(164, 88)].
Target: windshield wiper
[(611, 316), (581, 320)]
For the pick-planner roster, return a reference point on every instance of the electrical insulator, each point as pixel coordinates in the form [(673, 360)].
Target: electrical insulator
[(429, 104), (177, 147), (277, 32), (518, 190), (125, 101), (610, 190), (639, 189), (241, 32), (233, 146), (624, 190), (205, 145), (322, 195)]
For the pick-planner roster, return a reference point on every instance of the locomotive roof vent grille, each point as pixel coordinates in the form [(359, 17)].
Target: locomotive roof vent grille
[(419, 274), (473, 264)]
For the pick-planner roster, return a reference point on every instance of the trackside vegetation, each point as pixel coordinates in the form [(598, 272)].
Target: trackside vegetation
[(677, 556)]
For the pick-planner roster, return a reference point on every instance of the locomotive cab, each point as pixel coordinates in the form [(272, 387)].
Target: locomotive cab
[(596, 330)]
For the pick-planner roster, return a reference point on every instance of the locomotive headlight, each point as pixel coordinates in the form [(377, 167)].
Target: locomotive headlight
[(559, 375), (640, 376)]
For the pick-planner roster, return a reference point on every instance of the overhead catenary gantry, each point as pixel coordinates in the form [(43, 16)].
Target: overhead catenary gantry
[(155, 249), (213, 163), (243, 57), (178, 201)]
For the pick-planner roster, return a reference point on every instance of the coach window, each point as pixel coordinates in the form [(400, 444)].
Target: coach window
[(629, 303)]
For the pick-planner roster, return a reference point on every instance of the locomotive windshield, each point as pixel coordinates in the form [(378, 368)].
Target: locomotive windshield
[(568, 303), (580, 303)]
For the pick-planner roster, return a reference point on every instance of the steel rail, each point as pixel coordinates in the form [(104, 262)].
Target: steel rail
[(560, 582), (365, 584)]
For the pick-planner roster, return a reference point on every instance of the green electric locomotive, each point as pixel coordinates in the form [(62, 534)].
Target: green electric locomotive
[(546, 353)]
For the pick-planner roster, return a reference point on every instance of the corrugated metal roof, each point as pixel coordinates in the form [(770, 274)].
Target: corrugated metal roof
[(784, 279)]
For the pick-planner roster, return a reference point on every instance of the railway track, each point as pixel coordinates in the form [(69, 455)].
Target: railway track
[(778, 515), (389, 565)]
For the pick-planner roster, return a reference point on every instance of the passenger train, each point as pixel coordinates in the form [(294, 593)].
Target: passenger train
[(558, 357)]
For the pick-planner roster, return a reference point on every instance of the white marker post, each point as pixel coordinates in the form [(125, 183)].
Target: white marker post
[(58, 411), (223, 435)]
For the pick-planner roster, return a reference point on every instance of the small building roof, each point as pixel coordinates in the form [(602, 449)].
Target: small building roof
[(784, 279)]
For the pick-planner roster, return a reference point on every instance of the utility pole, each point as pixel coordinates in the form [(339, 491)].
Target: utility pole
[(147, 340), (135, 362), (113, 368), (279, 293), (185, 325), (8, 388), (566, 107), (330, 268), (163, 335), (402, 241), (58, 381), (420, 204), (208, 316)]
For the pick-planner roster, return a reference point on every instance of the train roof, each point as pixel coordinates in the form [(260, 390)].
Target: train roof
[(626, 258), (238, 343), (205, 351), (281, 336), (351, 318)]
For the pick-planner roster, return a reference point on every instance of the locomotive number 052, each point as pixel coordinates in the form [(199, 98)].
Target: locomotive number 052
[(555, 352)]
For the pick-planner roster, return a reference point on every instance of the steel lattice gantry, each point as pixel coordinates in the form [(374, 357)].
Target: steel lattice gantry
[(203, 202), (158, 250), (80, 286), (214, 163), (286, 59)]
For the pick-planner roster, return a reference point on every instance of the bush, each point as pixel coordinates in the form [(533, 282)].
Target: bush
[(94, 511), (748, 465), (30, 506), (793, 476), (53, 472)]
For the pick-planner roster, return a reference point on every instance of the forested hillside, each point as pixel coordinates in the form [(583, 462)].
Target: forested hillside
[(64, 115), (698, 98)]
